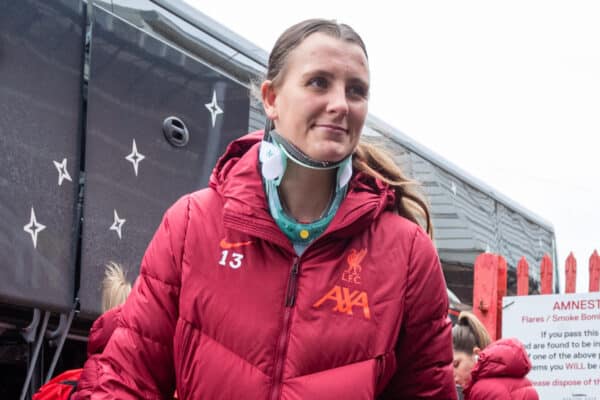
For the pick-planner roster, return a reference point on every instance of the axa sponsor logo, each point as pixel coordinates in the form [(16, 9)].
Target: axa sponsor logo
[(344, 299)]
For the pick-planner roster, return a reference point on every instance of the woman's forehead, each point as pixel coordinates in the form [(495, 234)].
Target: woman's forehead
[(319, 51)]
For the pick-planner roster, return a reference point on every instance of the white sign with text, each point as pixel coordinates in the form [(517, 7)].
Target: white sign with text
[(562, 336)]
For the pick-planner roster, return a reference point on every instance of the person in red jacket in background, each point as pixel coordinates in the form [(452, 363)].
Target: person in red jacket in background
[(302, 271), (75, 384), (487, 370), (115, 289)]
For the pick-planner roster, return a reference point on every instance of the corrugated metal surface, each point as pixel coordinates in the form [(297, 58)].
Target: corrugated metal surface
[(469, 221)]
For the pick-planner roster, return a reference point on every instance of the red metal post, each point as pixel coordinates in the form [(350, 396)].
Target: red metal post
[(489, 285), (595, 272), (502, 283), (546, 274), (522, 277), (570, 274)]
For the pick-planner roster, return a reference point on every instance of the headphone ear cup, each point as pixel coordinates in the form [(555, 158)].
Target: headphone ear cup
[(272, 161), (344, 173)]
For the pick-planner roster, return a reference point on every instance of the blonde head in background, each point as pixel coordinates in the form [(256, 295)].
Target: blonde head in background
[(115, 286)]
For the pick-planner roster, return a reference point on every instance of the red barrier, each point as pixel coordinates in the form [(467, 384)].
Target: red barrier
[(502, 286), (595, 272), (489, 286), (522, 277), (546, 275), (571, 274)]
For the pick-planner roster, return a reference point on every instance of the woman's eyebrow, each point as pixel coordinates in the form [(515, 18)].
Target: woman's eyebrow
[(360, 82), (320, 72), (329, 74)]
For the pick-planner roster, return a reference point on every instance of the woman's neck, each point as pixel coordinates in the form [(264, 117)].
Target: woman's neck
[(306, 193)]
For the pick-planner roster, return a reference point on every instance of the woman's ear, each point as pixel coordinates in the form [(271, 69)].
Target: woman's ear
[(267, 91), (476, 350)]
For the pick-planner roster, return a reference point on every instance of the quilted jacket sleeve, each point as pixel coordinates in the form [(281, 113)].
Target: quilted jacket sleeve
[(137, 362), (502, 388), (100, 334), (424, 347)]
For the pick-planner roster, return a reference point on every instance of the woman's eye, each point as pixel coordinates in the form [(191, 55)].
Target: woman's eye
[(318, 82), (357, 91)]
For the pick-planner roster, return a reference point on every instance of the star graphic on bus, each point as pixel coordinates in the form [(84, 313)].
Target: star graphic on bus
[(135, 157), (33, 228), (62, 171), (117, 224), (214, 108)]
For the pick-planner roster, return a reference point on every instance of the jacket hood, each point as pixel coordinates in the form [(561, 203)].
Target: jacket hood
[(101, 331), (237, 178), (503, 358), (235, 150)]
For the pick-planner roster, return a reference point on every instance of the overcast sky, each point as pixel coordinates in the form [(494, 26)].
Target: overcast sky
[(507, 90)]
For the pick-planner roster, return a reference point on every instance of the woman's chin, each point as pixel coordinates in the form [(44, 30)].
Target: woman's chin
[(332, 154), (330, 157)]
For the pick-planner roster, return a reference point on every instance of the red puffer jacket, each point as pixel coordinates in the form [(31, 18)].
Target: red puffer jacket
[(224, 309), (500, 373)]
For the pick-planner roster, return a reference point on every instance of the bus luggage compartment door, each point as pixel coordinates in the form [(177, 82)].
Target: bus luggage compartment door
[(41, 56), (134, 172)]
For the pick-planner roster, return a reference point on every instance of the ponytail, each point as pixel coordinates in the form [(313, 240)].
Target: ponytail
[(469, 333), (409, 202)]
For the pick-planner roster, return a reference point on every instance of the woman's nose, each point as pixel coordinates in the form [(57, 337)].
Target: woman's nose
[(338, 101)]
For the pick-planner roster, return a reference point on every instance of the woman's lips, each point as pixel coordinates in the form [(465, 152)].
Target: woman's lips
[(332, 127)]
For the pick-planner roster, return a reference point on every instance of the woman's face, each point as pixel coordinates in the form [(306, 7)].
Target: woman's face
[(321, 102), (463, 364)]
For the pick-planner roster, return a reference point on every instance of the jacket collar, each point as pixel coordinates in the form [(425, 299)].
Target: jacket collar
[(237, 178)]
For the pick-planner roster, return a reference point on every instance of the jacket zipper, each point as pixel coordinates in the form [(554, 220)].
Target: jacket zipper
[(282, 342), (290, 298), (380, 372)]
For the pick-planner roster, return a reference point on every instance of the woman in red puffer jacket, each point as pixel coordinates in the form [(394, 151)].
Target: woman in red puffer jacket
[(301, 272), (489, 371)]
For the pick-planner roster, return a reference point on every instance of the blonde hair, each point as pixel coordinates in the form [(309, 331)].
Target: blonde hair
[(469, 333), (409, 201), (115, 286)]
